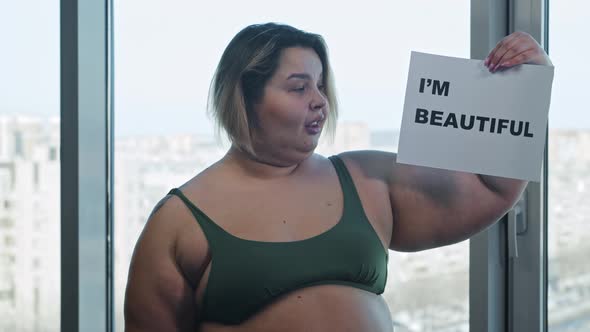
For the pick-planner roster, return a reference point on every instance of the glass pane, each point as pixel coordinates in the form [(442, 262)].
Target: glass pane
[(569, 170), (174, 140), (29, 167)]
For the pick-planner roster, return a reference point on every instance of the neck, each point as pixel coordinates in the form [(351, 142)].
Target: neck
[(260, 166)]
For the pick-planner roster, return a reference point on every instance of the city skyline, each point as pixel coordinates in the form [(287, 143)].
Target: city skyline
[(164, 55), (147, 167), (171, 81)]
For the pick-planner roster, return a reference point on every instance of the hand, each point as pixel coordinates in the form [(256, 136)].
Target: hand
[(515, 49)]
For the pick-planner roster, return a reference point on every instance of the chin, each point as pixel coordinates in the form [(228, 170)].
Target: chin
[(309, 150)]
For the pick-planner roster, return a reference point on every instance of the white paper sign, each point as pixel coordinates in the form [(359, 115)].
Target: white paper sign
[(459, 116)]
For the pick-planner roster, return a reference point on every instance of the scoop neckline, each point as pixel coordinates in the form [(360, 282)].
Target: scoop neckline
[(234, 237), (329, 230)]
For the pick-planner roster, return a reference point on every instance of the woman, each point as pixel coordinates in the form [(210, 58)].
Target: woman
[(273, 237)]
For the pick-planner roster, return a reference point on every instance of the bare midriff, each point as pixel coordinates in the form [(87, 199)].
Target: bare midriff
[(323, 308), (318, 308)]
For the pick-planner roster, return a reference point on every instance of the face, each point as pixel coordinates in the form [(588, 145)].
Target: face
[(293, 108)]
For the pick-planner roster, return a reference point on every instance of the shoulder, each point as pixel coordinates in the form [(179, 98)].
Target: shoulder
[(157, 292), (165, 218), (170, 217), (371, 172), (369, 164)]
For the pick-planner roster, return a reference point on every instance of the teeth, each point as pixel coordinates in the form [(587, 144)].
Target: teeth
[(315, 123)]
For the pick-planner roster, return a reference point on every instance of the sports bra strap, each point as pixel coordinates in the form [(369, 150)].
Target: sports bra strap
[(351, 196), (210, 228), (215, 234)]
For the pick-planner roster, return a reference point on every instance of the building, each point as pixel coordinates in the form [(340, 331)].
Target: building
[(29, 224)]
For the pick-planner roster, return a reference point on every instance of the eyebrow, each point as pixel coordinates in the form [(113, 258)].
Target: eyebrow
[(303, 76)]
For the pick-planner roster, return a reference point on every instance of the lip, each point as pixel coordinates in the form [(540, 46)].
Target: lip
[(314, 130), (320, 119)]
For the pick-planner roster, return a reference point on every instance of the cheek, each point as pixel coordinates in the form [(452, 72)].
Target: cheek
[(282, 115)]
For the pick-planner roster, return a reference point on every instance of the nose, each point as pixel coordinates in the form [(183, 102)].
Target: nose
[(319, 100)]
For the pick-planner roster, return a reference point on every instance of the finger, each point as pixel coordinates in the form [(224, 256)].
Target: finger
[(506, 42), (518, 59), (494, 50), (499, 47), (501, 51), (515, 50)]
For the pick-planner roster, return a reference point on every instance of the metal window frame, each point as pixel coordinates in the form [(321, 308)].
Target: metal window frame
[(86, 165), (487, 250), (528, 273), (510, 294), (87, 181)]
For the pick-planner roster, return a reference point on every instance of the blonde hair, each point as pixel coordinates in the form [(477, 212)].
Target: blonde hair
[(247, 63)]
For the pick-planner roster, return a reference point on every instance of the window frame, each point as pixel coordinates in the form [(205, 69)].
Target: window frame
[(528, 273), (87, 137), (507, 294), (86, 165), (487, 250)]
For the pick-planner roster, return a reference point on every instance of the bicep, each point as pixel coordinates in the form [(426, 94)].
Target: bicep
[(158, 297), (430, 207), (434, 207)]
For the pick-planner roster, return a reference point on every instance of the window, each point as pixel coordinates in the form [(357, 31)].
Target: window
[(29, 103), (569, 171), (426, 291)]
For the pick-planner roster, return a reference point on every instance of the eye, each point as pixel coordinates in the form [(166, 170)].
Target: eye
[(299, 89)]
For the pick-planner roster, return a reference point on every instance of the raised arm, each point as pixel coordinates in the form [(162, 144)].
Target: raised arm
[(158, 297), (434, 207)]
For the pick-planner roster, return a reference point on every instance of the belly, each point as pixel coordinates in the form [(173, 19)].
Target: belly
[(317, 308)]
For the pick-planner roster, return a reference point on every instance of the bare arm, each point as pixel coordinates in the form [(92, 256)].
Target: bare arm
[(434, 207), (158, 297)]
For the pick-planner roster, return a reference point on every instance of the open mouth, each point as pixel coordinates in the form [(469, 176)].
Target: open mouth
[(314, 127), (314, 124)]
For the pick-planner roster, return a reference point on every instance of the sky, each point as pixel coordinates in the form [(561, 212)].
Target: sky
[(165, 54)]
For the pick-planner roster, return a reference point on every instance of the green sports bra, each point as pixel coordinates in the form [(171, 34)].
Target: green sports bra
[(247, 275)]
